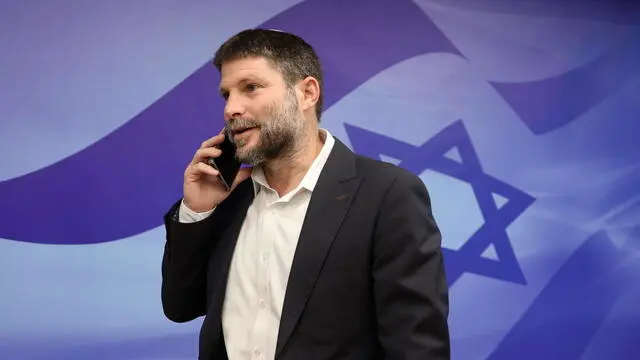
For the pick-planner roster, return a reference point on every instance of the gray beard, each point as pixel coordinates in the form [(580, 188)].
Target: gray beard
[(272, 145), (278, 135)]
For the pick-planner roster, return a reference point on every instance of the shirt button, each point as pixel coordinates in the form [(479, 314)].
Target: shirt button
[(265, 257), (263, 304), (257, 352)]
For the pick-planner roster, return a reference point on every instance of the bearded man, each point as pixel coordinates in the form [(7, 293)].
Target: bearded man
[(315, 252)]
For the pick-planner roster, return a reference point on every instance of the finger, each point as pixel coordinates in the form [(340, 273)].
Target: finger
[(205, 153), (212, 141), (202, 168)]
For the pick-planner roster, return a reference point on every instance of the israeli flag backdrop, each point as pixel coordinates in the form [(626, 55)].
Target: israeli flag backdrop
[(521, 117)]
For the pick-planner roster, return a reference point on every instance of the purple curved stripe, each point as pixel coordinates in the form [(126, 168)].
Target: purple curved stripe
[(123, 184), (552, 103), (616, 11)]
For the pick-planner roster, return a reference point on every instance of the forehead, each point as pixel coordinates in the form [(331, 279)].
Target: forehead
[(239, 70)]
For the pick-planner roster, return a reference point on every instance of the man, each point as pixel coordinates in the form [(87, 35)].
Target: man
[(315, 252)]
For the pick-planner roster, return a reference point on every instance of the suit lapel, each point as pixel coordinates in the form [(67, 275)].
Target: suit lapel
[(235, 209), (243, 198), (239, 200), (329, 204)]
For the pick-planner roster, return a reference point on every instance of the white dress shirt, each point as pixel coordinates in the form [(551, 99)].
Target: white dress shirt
[(262, 261)]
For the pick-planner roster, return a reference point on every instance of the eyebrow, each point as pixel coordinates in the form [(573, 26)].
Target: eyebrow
[(245, 80)]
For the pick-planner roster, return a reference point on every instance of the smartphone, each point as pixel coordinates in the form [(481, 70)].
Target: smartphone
[(226, 164)]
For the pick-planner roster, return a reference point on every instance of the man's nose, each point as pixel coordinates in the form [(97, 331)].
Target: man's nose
[(234, 108)]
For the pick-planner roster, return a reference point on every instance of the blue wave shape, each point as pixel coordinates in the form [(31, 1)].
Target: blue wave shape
[(570, 310), (615, 11), (122, 185), (549, 104)]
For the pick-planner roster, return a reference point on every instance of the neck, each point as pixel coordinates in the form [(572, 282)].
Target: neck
[(285, 174)]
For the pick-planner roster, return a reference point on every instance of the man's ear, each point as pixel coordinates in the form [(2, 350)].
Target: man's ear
[(310, 91)]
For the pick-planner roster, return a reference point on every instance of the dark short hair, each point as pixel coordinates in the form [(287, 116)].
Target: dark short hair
[(290, 54)]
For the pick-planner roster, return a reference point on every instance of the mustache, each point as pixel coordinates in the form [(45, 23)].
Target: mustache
[(238, 124)]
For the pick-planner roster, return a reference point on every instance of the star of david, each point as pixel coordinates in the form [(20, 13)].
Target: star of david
[(492, 233)]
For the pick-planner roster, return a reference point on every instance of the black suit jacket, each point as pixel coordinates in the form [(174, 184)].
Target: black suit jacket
[(367, 280)]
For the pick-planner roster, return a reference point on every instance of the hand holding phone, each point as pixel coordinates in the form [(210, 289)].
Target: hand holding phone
[(226, 163), (213, 172)]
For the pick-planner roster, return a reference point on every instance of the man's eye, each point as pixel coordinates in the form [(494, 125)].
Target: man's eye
[(252, 87)]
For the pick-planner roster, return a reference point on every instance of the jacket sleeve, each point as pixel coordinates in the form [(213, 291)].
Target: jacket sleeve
[(187, 249), (410, 287)]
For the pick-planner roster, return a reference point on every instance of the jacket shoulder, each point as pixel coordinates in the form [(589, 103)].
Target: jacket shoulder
[(384, 173)]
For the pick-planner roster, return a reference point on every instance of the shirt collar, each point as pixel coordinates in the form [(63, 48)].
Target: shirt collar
[(310, 179)]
